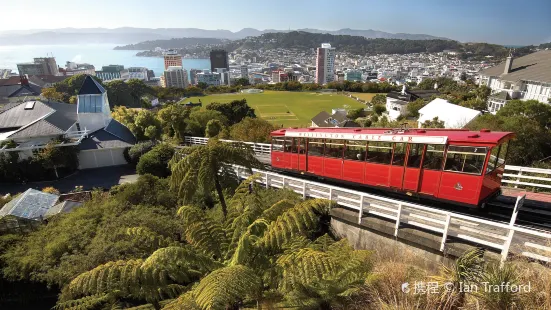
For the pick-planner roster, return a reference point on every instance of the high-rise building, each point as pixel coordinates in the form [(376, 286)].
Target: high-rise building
[(139, 73), (175, 76), (325, 64), (193, 76), (353, 75), (172, 59), (219, 59), (40, 66), (209, 78), (113, 72), (245, 71)]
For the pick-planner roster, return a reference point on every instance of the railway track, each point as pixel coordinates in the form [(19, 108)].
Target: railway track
[(533, 214)]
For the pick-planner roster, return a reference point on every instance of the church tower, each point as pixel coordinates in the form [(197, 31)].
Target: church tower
[(92, 106)]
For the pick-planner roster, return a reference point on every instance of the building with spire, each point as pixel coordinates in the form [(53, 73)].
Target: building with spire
[(87, 125), (525, 78)]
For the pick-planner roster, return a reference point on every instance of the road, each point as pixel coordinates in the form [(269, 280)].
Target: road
[(102, 177)]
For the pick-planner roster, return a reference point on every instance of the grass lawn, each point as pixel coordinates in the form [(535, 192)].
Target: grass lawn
[(366, 96), (286, 108)]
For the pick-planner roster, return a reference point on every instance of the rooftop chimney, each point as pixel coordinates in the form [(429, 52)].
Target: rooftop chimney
[(508, 63), (24, 80)]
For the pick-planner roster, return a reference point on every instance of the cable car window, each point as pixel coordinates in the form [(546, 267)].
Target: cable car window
[(292, 145), (465, 159), (334, 148), (355, 150), (302, 146), (502, 154), (434, 157), (399, 154), (315, 147), (492, 161), (415, 155), (379, 152), (278, 143)]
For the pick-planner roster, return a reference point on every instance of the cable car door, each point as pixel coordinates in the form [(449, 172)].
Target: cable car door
[(397, 165), (412, 172)]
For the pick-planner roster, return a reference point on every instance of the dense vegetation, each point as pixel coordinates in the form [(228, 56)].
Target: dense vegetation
[(344, 43), (177, 243), (48, 163)]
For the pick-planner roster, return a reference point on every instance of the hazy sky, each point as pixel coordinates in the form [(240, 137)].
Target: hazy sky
[(496, 21)]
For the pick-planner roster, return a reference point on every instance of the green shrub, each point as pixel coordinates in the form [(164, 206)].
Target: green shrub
[(155, 162), (136, 151)]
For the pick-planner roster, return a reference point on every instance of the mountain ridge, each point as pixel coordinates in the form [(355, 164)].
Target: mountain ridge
[(132, 35)]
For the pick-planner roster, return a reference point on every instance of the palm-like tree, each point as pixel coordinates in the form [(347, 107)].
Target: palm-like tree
[(259, 252), (206, 166)]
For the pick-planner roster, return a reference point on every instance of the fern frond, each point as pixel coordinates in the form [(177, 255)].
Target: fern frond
[(304, 267), (298, 220), (85, 303), (175, 265), (202, 232), (226, 286), (277, 209), (145, 236), (323, 243), (185, 301)]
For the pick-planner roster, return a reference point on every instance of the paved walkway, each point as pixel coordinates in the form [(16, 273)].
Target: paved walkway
[(102, 177)]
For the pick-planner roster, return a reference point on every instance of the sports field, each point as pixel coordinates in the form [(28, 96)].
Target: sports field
[(286, 108), (365, 96)]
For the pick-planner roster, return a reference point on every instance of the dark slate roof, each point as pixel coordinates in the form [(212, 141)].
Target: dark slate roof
[(320, 118), (27, 90), (120, 131), (39, 129), (63, 207), (8, 90), (101, 139), (532, 67), (65, 115), (349, 124), (90, 87), (32, 204), (17, 116), (503, 95)]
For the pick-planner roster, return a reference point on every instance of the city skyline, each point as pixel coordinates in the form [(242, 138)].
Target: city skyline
[(488, 21)]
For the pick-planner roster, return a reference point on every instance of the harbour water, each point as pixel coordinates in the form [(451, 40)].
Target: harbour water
[(95, 54)]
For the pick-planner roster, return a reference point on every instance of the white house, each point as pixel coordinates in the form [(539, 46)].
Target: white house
[(87, 124), (453, 115), (527, 77), (396, 102)]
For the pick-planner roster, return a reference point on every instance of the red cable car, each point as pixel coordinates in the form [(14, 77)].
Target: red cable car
[(456, 166)]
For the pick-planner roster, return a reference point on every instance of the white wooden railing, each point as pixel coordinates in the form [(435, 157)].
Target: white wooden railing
[(507, 238), (514, 175), (258, 148)]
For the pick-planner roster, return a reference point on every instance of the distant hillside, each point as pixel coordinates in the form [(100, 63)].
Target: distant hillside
[(129, 35), (172, 43), (346, 43)]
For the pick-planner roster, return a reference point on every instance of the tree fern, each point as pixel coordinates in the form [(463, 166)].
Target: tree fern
[(277, 209), (305, 266), (204, 167), (145, 236), (175, 265), (300, 219), (225, 287), (203, 233), (85, 303), (162, 275), (185, 301)]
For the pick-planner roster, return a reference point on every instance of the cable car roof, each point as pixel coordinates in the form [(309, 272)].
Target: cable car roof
[(411, 135)]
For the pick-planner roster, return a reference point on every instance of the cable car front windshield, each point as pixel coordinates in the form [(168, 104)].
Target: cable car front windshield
[(466, 159)]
